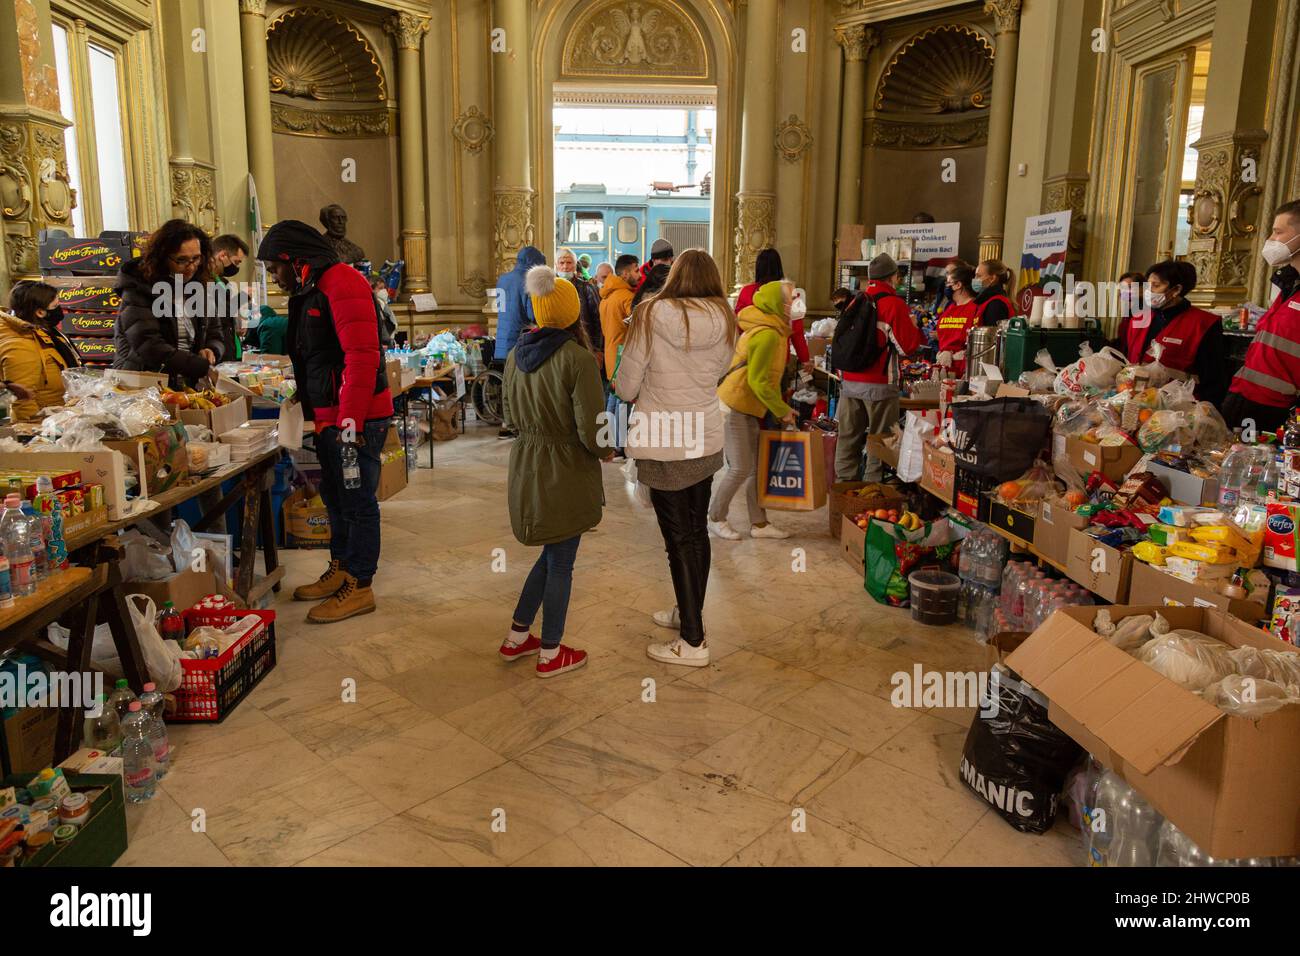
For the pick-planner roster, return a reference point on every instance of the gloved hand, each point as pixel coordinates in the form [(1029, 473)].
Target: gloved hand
[(959, 356), (944, 359)]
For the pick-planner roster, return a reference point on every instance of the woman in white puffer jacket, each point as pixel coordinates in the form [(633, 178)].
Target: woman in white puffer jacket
[(679, 343)]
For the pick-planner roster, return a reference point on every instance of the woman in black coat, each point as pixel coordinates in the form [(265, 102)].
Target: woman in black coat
[(161, 323)]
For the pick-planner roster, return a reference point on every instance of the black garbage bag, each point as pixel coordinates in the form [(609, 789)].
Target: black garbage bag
[(999, 438), (1016, 759)]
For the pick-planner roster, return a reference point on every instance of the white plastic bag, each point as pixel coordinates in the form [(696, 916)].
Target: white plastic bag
[(143, 558), (161, 658), (636, 490), (919, 428)]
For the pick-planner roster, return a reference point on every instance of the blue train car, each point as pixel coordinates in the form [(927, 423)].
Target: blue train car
[(607, 225)]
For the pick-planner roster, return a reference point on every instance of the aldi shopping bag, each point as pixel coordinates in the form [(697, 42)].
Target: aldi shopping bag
[(1000, 438), (893, 552), (791, 470)]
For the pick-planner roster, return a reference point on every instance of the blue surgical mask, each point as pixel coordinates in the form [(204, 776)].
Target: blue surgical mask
[(977, 285)]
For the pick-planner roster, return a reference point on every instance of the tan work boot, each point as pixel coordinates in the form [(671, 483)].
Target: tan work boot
[(322, 587), (348, 601)]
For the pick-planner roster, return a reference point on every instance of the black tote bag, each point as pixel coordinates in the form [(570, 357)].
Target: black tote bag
[(999, 438)]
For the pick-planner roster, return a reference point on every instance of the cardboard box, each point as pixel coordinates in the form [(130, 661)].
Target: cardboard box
[(817, 346), (107, 468), (1149, 585), (1052, 531), (305, 526), (1001, 645), (158, 457), (92, 324), (84, 522), (1229, 783), (1113, 461), (1184, 488), (220, 419), (853, 544), (1017, 521), (29, 738), (87, 295), (87, 760), (1110, 580), (183, 588), (131, 379), (884, 447), (392, 470), (939, 472)]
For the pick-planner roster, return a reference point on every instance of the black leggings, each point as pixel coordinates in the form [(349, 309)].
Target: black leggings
[(683, 517)]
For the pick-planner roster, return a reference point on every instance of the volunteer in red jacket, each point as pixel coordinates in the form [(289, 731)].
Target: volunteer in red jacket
[(872, 334), (333, 340), (993, 285), (1191, 338), (959, 318), (1266, 387)]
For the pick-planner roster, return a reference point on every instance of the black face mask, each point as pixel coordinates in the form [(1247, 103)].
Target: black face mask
[(53, 316), (230, 271)]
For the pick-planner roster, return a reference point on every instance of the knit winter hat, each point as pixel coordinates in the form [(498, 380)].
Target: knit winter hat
[(555, 300), (881, 267)]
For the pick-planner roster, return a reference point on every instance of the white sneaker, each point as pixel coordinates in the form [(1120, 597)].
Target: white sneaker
[(724, 530), (767, 531), (671, 618), (679, 652)]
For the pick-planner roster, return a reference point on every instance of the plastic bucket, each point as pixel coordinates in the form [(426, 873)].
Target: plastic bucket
[(934, 596)]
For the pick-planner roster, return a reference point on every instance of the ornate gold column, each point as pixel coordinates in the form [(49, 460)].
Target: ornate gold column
[(756, 197), (257, 104), (1068, 191), (856, 41), (409, 31), (193, 188), (34, 185), (1006, 17), (512, 191), (1223, 214)]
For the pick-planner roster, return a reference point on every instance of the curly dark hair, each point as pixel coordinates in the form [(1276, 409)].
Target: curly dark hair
[(165, 241)]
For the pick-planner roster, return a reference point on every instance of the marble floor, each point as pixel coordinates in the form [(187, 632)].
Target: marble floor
[(400, 738)]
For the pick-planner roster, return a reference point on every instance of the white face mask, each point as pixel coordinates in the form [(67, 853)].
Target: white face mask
[(1156, 299), (564, 275), (1276, 253)]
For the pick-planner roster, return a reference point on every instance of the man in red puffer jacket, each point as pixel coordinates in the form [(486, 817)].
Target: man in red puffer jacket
[(333, 339)]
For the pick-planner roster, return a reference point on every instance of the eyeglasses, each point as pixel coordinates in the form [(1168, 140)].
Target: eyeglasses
[(184, 261)]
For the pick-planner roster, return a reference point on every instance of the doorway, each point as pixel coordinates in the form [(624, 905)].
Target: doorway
[(627, 175)]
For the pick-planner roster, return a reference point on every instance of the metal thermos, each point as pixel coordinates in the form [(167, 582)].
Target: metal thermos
[(981, 347)]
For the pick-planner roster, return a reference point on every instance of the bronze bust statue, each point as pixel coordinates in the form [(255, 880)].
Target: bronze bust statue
[(335, 220)]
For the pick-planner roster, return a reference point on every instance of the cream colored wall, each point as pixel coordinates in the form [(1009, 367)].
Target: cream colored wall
[(900, 183), (1033, 129)]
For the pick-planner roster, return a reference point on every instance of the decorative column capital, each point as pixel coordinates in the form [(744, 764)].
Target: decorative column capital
[(755, 231), (408, 30), (857, 39), (255, 7), (1006, 14), (1223, 215), (512, 208)]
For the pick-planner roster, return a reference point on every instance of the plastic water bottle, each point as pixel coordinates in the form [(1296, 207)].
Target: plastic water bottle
[(1102, 818), (1135, 839), (152, 701), (138, 770), (105, 731), (40, 551), (1232, 477), (6, 586), (351, 467), (122, 698), (18, 548)]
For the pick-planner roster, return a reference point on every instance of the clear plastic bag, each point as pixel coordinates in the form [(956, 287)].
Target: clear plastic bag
[(1165, 429), (1042, 378), (1157, 374), (1249, 697), (1178, 396), (1283, 667), (1034, 485), (1209, 430), (1188, 661)]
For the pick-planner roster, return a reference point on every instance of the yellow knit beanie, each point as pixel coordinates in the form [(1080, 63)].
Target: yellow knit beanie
[(555, 300)]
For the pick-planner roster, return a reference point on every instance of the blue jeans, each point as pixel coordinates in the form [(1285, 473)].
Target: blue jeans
[(612, 405), (354, 512), (547, 587)]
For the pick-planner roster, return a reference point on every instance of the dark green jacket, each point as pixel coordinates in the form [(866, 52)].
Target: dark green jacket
[(552, 397)]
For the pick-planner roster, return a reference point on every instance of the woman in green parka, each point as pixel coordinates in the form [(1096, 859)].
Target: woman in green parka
[(553, 398)]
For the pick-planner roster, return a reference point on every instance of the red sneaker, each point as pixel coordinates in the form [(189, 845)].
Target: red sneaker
[(512, 653), (567, 660)]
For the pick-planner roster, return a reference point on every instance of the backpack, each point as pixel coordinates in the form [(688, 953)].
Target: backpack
[(855, 347)]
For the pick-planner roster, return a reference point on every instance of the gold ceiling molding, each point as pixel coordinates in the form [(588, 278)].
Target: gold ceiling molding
[(635, 39), (926, 134), (312, 53), (793, 139), (944, 69), (663, 98), (473, 130), (336, 124)]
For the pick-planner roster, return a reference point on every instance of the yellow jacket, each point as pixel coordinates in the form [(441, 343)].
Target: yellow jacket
[(29, 357), (754, 387), (615, 307)]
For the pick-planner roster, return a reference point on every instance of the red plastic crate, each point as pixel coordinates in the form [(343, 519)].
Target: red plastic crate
[(210, 689)]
